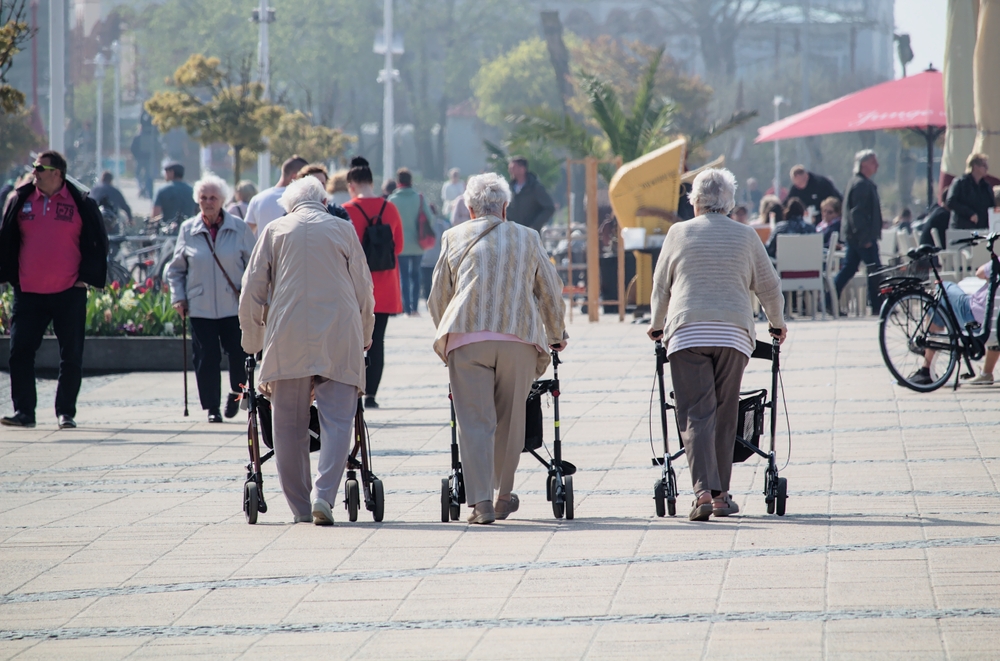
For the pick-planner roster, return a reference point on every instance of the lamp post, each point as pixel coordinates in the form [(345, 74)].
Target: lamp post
[(57, 75), (264, 16), (778, 100), (99, 63), (116, 62), (388, 47)]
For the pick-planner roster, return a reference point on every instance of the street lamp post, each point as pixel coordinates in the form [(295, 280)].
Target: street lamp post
[(57, 75), (387, 76), (116, 62), (778, 100), (99, 63), (264, 15)]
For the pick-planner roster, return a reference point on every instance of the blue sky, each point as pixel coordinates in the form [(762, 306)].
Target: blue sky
[(924, 21)]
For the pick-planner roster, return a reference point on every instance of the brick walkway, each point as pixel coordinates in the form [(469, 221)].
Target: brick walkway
[(125, 539)]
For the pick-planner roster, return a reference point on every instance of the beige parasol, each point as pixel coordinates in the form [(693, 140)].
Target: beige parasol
[(958, 86)]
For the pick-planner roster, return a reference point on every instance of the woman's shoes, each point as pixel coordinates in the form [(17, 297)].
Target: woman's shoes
[(322, 513), (724, 506), (214, 416), (370, 402), (483, 513), (232, 404), (505, 508), (700, 512)]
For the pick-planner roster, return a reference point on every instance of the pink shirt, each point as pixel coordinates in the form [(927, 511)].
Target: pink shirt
[(456, 340), (49, 261)]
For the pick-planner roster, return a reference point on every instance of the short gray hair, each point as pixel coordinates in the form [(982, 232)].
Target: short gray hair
[(211, 181), (714, 190), (485, 194), (861, 157), (306, 189)]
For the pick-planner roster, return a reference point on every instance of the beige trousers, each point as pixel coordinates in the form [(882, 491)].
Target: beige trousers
[(707, 392), (336, 404), (490, 382)]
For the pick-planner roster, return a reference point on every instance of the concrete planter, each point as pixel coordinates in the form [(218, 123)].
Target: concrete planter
[(114, 354)]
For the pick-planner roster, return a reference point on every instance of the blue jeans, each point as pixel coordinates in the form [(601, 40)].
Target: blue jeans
[(852, 260), (960, 303), (409, 280)]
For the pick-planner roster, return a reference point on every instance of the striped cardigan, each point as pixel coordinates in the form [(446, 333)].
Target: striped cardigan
[(707, 268), (505, 284)]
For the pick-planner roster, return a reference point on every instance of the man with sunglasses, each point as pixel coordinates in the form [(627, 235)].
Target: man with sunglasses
[(52, 245)]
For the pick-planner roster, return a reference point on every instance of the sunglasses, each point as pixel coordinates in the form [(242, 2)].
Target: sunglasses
[(42, 168)]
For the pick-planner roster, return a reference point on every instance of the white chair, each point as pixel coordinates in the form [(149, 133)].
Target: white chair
[(949, 267), (972, 257), (906, 241), (887, 248), (832, 268), (800, 264)]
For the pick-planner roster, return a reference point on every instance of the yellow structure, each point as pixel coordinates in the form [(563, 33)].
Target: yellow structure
[(644, 193)]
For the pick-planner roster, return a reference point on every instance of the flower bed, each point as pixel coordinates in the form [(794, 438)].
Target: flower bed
[(139, 310)]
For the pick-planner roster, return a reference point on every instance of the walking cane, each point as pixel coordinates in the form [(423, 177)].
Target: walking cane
[(184, 341)]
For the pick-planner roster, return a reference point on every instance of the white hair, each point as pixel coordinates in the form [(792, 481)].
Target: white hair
[(485, 194), (211, 181), (861, 157), (714, 190), (306, 189)]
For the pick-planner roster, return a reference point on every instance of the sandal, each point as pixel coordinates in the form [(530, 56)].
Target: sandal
[(724, 506), (700, 512)]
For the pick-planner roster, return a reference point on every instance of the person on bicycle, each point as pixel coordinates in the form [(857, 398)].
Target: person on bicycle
[(107, 195), (968, 308), (704, 314), (307, 303)]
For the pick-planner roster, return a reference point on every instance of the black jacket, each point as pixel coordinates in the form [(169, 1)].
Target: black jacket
[(862, 218), (532, 207), (93, 238), (817, 189), (965, 198)]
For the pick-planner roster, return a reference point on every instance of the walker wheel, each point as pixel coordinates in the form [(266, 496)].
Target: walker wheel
[(456, 511), (782, 496), (549, 490), (445, 499), (378, 495), (353, 500), (672, 507), (569, 498), (251, 501), (558, 499), (659, 498)]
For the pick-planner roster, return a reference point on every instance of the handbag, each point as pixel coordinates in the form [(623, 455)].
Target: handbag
[(236, 290), (377, 242), (425, 233)]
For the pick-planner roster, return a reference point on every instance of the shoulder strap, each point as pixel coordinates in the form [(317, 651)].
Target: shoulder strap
[(475, 241), (225, 275), (378, 216)]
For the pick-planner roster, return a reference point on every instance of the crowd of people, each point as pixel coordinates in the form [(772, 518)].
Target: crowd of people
[(308, 273)]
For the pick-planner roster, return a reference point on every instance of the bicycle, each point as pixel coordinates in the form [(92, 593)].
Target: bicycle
[(915, 324)]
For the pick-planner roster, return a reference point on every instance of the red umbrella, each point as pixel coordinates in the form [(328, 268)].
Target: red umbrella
[(915, 103)]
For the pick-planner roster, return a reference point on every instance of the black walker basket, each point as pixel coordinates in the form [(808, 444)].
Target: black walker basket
[(558, 483)]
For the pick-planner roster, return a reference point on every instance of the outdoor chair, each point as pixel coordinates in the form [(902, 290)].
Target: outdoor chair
[(948, 258), (887, 247), (800, 267)]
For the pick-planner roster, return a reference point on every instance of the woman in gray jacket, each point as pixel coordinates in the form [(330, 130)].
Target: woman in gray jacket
[(213, 249), (702, 308)]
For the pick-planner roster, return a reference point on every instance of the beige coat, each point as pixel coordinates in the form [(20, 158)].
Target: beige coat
[(505, 284), (311, 268)]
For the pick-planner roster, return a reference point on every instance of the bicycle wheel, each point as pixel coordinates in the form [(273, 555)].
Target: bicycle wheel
[(912, 325)]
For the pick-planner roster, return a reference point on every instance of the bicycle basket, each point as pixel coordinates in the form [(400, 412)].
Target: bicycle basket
[(750, 423), (919, 268)]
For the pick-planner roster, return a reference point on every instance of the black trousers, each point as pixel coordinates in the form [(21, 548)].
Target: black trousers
[(376, 355), (208, 338), (67, 311)]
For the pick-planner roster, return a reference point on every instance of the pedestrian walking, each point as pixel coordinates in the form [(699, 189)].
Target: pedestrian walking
[(368, 210), (52, 246), (862, 225), (245, 191), (313, 340), (494, 351), (702, 309), (451, 190), (174, 202), (531, 205), (212, 252), (106, 194), (411, 206), (264, 207)]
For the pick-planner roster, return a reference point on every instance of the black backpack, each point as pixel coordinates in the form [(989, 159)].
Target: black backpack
[(377, 242)]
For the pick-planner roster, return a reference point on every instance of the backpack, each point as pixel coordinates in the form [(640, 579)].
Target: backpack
[(425, 233), (377, 242)]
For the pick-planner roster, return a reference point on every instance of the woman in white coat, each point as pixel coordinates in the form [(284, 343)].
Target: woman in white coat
[(307, 302)]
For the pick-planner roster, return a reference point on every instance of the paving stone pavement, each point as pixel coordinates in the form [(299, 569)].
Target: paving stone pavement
[(125, 538)]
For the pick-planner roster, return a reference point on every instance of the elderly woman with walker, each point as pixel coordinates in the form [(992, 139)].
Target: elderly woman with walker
[(701, 306), (212, 252), (307, 303), (496, 300)]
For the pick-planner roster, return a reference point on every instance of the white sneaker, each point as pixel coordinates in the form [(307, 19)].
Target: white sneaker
[(983, 379), (322, 513), (304, 518)]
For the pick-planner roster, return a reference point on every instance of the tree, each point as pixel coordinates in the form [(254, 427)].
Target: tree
[(216, 104), (296, 134), (14, 33), (718, 24), (16, 138), (520, 78)]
